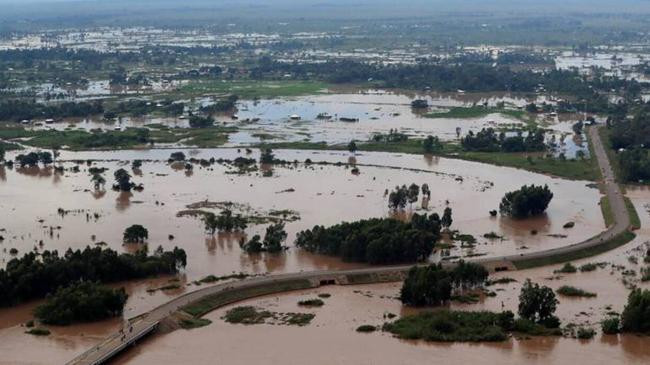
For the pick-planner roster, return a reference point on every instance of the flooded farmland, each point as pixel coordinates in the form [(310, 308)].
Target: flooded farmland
[(90, 217), (338, 116), (349, 307)]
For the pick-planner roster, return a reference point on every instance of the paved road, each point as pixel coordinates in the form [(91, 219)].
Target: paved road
[(144, 324), (616, 202), (141, 326)]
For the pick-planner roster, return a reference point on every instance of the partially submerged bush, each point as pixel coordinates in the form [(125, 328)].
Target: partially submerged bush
[(366, 328), (311, 303), (571, 291), (611, 326)]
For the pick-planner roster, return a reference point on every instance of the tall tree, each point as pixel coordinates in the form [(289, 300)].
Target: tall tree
[(446, 219), (537, 303)]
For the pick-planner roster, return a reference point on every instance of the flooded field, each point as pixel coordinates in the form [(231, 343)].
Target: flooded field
[(33, 198), (343, 115), (349, 307)]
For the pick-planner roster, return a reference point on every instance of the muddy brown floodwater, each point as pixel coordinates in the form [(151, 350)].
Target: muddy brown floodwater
[(331, 337), (31, 198)]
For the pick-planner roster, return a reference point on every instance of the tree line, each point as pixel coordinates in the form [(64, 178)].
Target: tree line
[(17, 110), (433, 285), (487, 140), (375, 241), (34, 276)]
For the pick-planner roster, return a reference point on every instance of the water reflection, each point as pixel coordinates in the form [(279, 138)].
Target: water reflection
[(123, 200)]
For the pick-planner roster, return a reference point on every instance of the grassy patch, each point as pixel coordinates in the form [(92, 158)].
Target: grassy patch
[(611, 244), (505, 280), (572, 291), (466, 298), (366, 328), (38, 331), (590, 266), (249, 89), (126, 139), (606, 209), (479, 111), (449, 326), (298, 319), (190, 323), (9, 146), (166, 287), (573, 169), (251, 315), (635, 222), (311, 303), (611, 153), (525, 326), (213, 279), (246, 315), (217, 300), (568, 268)]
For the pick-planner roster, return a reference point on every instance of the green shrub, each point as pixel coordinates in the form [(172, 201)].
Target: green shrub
[(571, 291), (568, 268), (611, 326), (453, 326), (311, 303), (585, 333), (636, 314), (83, 301), (246, 315), (366, 328), (38, 331)]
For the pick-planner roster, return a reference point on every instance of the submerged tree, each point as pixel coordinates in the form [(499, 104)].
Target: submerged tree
[(397, 199), (446, 220), (426, 191), (177, 156), (225, 221), (527, 201), (267, 156), (413, 193), (83, 301), (433, 285), (135, 234), (210, 221), (98, 181), (636, 314), (431, 144), (273, 239), (123, 180), (352, 146), (537, 303)]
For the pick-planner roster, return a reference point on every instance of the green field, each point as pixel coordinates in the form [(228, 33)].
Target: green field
[(249, 89), (635, 222), (129, 138), (585, 169), (606, 209), (479, 112)]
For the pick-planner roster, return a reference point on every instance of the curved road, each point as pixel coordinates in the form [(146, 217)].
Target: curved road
[(146, 323), (616, 202)]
